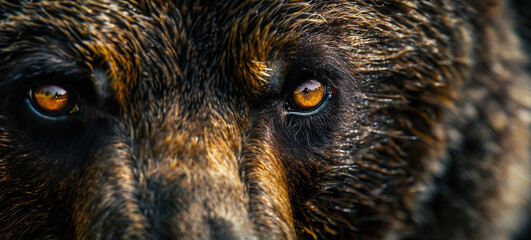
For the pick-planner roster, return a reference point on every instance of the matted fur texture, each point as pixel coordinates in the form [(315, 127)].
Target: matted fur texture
[(184, 127)]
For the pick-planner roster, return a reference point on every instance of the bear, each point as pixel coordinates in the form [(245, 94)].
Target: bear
[(261, 119)]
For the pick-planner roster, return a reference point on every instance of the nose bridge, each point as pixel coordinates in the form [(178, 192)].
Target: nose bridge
[(203, 204), (204, 138), (192, 168)]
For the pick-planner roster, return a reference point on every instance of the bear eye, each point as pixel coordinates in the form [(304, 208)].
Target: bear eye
[(53, 100), (308, 96)]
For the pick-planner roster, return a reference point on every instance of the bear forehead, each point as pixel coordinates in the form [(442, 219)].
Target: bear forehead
[(163, 45)]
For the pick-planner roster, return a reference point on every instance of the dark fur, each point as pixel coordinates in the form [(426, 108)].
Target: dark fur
[(183, 130)]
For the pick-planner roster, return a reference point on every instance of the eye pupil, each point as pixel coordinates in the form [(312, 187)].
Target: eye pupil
[(308, 95), (51, 99)]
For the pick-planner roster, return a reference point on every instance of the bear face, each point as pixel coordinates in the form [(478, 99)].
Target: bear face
[(261, 120)]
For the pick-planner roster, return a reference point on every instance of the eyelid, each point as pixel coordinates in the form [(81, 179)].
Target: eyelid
[(40, 114)]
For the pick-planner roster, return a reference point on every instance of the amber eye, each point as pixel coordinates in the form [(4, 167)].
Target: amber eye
[(308, 95), (52, 99)]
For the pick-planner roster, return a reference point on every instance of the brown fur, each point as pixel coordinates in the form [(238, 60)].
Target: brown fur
[(184, 129)]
